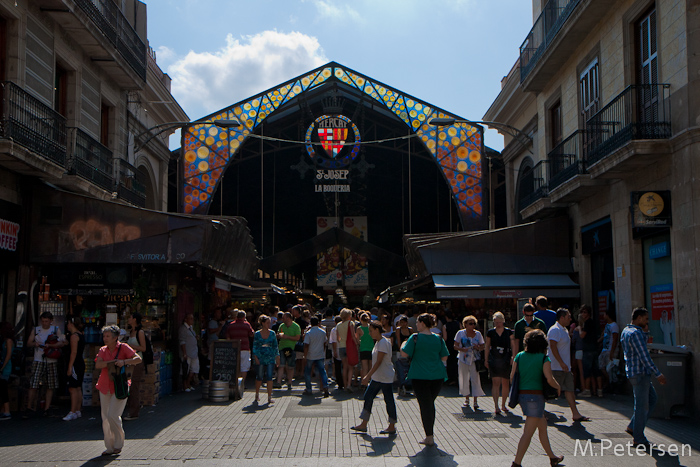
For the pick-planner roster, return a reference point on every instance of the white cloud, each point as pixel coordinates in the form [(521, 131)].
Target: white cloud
[(332, 10), (208, 81)]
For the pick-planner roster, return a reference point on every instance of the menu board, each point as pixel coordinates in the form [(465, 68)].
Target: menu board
[(225, 360)]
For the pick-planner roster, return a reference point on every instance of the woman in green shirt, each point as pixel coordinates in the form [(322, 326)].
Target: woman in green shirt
[(532, 364), (366, 344), (428, 354)]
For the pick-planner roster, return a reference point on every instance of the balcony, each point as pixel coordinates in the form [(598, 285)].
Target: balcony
[(568, 179), (131, 183), (554, 37), (533, 185), (640, 112), (106, 36), (91, 161), (32, 124)]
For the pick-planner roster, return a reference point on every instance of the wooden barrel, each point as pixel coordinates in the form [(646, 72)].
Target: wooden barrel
[(205, 389), (218, 391)]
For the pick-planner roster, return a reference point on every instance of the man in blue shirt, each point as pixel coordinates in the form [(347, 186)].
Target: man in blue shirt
[(639, 368), (545, 314)]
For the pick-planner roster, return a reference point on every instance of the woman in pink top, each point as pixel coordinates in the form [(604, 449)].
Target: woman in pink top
[(111, 356)]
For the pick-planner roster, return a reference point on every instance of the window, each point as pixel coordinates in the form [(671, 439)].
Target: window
[(589, 90), (104, 124), (555, 125), (647, 69), (60, 90)]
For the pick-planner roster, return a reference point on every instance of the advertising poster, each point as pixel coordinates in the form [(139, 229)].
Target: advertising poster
[(663, 320), (328, 262), (356, 272)]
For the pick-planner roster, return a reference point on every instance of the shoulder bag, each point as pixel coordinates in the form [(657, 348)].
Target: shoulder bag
[(121, 380)]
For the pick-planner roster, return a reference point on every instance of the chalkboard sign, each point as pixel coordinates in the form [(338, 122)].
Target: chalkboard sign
[(225, 360)]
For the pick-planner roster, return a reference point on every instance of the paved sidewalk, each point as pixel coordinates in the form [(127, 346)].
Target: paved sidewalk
[(303, 430)]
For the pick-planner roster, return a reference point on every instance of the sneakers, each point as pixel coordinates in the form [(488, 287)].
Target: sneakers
[(129, 417), (5, 416), (600, 393), (326, 393), (78, 414), (70, 416), (188, 389), (585, 393)]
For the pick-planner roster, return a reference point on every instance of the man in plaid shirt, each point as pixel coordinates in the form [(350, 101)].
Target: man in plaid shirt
[(639, 368)]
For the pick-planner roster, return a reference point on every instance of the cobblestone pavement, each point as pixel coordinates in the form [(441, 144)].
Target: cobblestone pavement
[(304, 430)]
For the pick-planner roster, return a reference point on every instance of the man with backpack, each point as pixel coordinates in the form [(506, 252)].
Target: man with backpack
[(47, 341)]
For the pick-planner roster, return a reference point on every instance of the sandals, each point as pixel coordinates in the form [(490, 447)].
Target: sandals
[(116, 452), (357, 428), (497, 412), (582, 419), (387, 432)]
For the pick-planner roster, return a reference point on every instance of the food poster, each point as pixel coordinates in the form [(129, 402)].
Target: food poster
[(328, 262), (356, 271)]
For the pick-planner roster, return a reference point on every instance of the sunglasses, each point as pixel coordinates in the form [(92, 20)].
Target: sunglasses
[(471, 324)]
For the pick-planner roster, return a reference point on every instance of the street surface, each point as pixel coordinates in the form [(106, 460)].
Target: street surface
[(300, 430)]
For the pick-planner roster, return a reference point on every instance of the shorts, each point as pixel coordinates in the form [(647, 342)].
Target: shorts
[(578, 355), (193, 365), (366, 355), (342, 352), (290, 361), (75, 380), (264, 372), (245, 361), (604, 359), (590, 363), (499, 367), (46, 372), (532, 405), (565, 380)]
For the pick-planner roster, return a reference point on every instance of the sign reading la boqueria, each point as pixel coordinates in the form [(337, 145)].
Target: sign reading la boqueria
[(333, 142)]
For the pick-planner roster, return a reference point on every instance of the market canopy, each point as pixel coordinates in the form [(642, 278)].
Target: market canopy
[(70, 228), (519, 261)]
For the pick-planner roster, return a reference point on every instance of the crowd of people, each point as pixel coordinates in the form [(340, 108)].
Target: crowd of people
[(372, 351)]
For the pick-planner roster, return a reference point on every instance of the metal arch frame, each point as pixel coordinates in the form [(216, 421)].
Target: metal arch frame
[(205, 151)]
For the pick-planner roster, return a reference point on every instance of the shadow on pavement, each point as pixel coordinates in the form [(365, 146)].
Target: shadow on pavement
[(432, 456)]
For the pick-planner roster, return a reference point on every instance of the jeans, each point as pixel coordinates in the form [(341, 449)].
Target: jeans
[(427, 391), (371, 392), (402, 366), (644, 402), (320, 368)]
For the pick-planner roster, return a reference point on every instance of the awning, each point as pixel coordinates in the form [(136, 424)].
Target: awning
[(504, 286), (71, 228)]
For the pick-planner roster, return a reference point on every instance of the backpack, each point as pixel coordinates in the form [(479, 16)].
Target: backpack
[(52, 352)]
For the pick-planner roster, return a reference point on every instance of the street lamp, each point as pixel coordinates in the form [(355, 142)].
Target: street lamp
[(504, 127)]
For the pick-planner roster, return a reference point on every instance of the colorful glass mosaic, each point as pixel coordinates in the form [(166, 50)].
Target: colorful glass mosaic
[(457, 148)]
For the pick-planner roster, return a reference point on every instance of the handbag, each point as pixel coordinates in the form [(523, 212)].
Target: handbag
[(121, 381), (514, 393), (549, 392)]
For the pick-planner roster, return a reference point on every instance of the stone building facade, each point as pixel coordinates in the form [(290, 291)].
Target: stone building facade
[(81, 91), (609, 94)]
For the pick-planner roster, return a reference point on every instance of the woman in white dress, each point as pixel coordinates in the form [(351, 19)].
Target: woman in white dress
[(469, 342)]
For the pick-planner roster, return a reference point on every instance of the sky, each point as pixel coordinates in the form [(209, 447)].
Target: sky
[(450, 53)]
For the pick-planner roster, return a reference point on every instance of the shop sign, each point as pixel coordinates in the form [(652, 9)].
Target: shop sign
[(651, 209), (507, 293), (9, 232), (659, 250)]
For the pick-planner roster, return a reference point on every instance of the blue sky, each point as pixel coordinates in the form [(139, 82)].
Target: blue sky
[(450, 53)]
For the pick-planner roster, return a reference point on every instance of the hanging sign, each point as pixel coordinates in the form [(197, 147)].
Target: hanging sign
[(333, 142)]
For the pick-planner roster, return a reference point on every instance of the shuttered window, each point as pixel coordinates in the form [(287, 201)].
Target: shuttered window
[(589, 89), (648, 67)]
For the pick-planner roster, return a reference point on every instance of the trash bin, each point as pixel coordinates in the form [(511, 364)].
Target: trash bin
[(673, 362)]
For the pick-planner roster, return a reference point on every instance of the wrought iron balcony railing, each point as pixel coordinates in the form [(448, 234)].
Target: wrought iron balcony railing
[(641, 111), (565, 160), (117, 29), (553, 16), (31, 123), (131, 185), (91, 160), (533, 185)]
